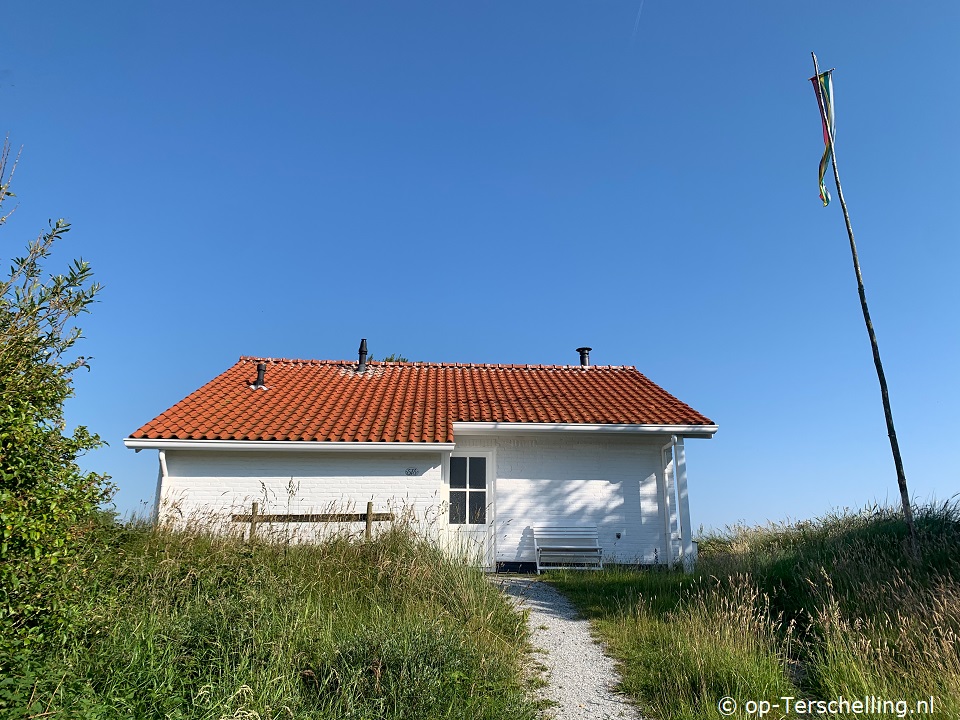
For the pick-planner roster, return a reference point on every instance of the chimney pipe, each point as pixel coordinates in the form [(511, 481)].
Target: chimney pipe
[(584, 356), (261, 371), (363, 356)]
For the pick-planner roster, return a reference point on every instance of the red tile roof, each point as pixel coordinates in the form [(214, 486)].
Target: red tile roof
[(328, 400)]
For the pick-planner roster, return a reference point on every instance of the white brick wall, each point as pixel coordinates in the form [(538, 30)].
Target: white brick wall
[(612, 482), (202, 484), (609, 482)]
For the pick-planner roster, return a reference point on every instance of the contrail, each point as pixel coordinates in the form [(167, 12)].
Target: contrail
[(636, 25)]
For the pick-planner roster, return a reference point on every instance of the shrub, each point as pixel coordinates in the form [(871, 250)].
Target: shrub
[(47, 503)]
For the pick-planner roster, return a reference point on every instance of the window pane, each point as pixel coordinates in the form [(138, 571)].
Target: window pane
[(478, 472), (478, 508), (458, 472), (458, 507)]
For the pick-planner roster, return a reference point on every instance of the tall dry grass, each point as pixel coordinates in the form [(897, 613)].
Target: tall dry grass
[(200, 625), (818, 609), (685, 642)]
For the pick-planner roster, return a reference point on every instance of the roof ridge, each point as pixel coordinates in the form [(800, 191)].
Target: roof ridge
[(457, 365)]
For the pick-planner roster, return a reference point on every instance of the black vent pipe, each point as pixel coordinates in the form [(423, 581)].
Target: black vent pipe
[(261, 371), (363, 356), (584, 355)]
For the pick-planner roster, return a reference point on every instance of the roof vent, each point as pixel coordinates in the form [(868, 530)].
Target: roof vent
[(362, 366), (261, 371), (584, 356)]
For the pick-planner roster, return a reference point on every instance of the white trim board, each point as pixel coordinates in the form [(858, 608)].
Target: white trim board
[(483, 428)]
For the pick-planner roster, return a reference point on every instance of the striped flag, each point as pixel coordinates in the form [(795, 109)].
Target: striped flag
[(823, 85)]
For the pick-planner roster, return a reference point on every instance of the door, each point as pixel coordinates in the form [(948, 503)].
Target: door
[(471, 505)]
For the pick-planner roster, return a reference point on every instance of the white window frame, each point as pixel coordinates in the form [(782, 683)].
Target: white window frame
[(491, 459)]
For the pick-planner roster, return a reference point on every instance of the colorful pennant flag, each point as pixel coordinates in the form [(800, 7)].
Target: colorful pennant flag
[(823, 85)]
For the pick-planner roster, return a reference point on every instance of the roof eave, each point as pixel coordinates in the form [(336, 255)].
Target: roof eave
[(483, 428), (284, 445)]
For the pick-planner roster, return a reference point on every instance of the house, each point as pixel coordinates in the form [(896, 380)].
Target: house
[(483, 454)]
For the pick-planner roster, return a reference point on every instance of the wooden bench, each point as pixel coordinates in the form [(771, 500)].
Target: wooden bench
[(574, 548)]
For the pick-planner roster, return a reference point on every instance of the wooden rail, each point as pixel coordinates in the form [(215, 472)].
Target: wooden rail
[(369, 517)]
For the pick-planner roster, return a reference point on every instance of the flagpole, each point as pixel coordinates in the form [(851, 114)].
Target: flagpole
[(888, 413)]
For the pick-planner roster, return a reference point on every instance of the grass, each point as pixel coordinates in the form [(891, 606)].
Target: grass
[(815, 610), (177, 625)]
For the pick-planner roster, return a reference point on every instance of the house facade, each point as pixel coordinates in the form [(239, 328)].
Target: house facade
[(478, 455)]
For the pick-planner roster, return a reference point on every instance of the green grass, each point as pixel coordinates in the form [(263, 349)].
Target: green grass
[(195, 626), (818, 609)]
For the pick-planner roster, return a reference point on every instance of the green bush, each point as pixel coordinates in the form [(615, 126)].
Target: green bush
[(47, 504)]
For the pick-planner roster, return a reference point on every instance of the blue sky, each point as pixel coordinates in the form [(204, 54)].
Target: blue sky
[(505, 182)]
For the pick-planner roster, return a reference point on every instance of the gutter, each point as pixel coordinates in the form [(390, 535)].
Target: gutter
[(482, 428)]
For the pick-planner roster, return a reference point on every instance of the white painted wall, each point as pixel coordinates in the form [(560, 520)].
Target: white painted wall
[(607, 482), (205, 486), (612, 482)]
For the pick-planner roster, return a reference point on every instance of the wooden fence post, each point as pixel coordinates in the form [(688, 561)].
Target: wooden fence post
[(369, 530), (253, 520)]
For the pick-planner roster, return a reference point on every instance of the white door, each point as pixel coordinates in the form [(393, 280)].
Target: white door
[(471, 505)]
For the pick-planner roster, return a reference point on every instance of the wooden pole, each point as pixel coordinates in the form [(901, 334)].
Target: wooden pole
[(887, 412), (369, 531), (253, 520)]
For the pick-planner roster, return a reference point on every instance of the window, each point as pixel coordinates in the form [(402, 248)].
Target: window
[(468, 490)]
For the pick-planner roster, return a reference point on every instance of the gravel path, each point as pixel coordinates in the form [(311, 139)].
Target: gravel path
[(580, 677)]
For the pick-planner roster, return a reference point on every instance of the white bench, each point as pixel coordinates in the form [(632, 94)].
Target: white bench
[(567, 548)]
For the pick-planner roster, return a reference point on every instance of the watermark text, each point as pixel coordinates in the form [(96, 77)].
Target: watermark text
[(786, 706)]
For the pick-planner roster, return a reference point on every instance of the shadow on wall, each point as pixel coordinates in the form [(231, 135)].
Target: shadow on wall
[(569, 503)]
